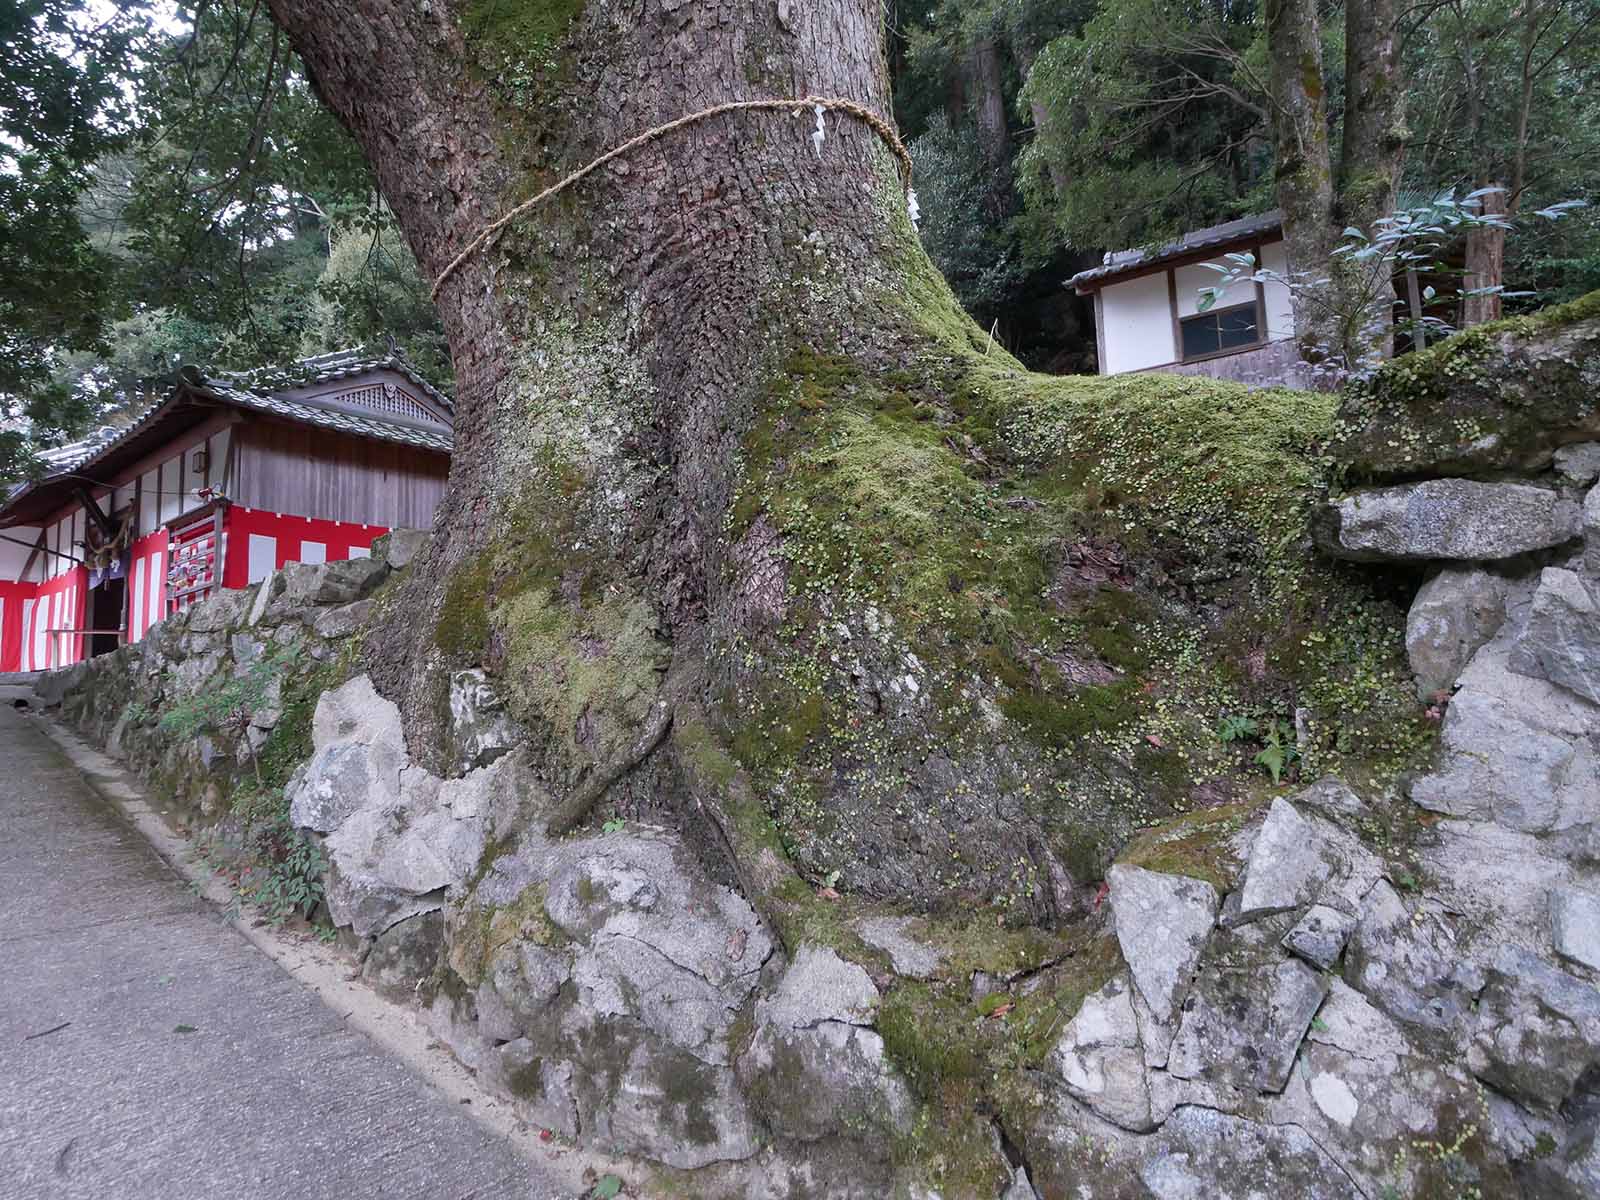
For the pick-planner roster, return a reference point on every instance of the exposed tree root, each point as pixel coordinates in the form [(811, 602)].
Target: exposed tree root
[(583, 798)]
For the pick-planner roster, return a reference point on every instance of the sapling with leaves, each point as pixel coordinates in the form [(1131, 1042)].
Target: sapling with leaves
[(1409, 243)]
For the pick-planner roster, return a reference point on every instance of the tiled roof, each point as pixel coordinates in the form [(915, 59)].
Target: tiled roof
[(1120, 262), (341, 364), (309, 414), (260, 391)]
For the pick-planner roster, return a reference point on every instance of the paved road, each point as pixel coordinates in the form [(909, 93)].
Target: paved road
[(272, 1095)]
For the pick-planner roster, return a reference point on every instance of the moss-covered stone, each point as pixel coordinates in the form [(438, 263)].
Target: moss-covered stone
[(1498, 396)]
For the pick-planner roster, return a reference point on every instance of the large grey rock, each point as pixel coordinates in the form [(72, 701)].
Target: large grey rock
[(480, 728), (367, 907), (1100, 1060), (1579, 463), (1162, 924), (675, 954), (1591, 532), (355, 712), (1575, 925), (909, 955), (1243, 1026), (1360, 1085), (308, 585), (1537, 1030), (814, 1068), (219, 613), (1300, 859), (341, 780), (1457, 611), (1513, 749), (1561, 639), (1446, 519), (1413, 969), (820, 986), (1319, 936), (399, 548), (341, 622), (660, 1102), (404, 956), (1202, 1154)]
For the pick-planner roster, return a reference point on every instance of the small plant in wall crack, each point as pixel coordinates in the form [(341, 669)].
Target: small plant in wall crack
[(1280, 749)]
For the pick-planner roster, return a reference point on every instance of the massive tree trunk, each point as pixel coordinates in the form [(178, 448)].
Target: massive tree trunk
[(1374, 114), (994, 139), (1374, 140), (1486, 259), (622, 355)]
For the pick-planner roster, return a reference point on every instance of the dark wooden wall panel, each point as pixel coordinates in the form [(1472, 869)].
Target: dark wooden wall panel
[(320, 473)]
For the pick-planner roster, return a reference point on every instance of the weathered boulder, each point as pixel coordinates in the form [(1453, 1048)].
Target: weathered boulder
[(1411, 967), (1300, 859), (403, 956), (399, 548), (1537, 1030), (1591, 531), (1243, 1024), (1446, 519), (651, 954), (1100, 1060), (1575, 925), (1202, 1154), (1162, 923), (815, 1069), (1560, 640), (1457, 611), (1503, 396), (343, 621), (1513, 749), (1367, 1094)]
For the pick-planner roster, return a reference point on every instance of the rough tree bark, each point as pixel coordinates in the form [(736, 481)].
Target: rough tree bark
[(749, 525), (1374, 114), (994, 140), (1486, 259)]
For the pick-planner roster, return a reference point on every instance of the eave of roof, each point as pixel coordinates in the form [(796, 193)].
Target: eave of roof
[(1129, 262), (194, 399)]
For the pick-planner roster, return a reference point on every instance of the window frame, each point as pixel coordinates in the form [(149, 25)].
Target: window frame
[(1259, 304), (1255, 311)]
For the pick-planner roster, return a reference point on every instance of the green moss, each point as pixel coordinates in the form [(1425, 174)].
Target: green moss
[(589, 674), (462, 630), (1198, 845)]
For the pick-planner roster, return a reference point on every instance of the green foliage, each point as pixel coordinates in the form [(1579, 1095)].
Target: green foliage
[(960, 236), (1156, 123), (62, 106)]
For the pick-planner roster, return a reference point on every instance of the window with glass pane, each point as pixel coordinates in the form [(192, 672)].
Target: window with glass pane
[(1223, 329)]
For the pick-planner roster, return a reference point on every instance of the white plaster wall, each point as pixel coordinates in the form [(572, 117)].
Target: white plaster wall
[(14, 557), (1138, 324), (1192, 278)]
